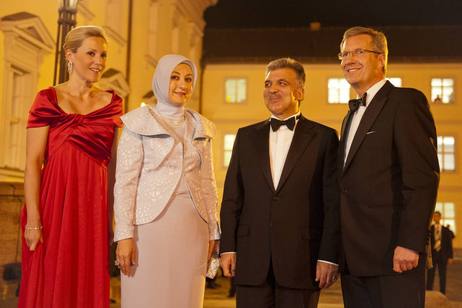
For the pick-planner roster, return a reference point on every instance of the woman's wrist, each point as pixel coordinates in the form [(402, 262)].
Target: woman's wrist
[(33, 227), (33, 221), (33, 217)]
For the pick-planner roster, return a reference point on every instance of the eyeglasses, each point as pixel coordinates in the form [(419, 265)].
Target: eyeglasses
[(358, 52)]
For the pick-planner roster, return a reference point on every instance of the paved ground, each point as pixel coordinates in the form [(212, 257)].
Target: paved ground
[(217, 298), (331, 298)]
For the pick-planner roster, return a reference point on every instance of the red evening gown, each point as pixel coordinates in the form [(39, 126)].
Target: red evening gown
[(70, 268)]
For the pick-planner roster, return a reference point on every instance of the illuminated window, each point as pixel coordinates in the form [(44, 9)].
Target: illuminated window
[(442, 90), (339, 91), (448, 214), (228, 148), (235, 90), (396, 81), (446, 153)]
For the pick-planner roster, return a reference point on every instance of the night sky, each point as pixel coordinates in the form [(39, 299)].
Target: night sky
[(299, 13)]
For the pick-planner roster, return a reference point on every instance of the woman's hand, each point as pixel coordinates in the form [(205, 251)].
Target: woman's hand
[(126, 255), (213, 247), (33, 236)]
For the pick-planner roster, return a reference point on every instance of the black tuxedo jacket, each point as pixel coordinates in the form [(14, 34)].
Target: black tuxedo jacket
[(446, 242), (389, 181), (289, 227)]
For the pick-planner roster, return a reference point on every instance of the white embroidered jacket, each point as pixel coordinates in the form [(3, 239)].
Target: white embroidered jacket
[(148, 172)]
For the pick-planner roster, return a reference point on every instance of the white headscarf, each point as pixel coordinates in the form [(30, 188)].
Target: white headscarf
[(161, 83)]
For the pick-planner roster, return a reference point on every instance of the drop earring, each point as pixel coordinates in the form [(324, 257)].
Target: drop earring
[(69, 67)]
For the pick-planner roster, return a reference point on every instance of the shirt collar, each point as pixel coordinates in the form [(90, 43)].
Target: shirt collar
[(372, 91), (294, 115)]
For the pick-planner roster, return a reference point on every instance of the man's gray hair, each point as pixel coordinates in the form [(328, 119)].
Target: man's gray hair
[(288, 63)]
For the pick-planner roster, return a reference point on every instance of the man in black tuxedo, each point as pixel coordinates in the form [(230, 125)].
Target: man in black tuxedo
[(442, 253), (279, 216), (388, 179)]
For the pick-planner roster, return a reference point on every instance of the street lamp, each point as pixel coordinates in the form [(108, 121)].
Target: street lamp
[(66, 21)]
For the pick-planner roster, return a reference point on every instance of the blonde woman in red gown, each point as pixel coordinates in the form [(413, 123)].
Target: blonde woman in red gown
[(70, 135)]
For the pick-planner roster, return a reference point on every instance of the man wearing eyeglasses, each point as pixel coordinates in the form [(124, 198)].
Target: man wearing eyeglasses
[(388, 175)]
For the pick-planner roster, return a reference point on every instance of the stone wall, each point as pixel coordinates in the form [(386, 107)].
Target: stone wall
[(11, 201)]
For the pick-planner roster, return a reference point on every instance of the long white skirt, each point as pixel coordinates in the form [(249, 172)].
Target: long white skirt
[(172, 260)]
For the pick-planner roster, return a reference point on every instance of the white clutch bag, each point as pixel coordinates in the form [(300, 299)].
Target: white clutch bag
[(213, 266)]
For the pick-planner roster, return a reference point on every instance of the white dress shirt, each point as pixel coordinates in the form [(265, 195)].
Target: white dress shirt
[(437, 236), (279, 144), (358, 115)]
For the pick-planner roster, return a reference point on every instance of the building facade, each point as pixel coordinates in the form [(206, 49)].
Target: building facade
[(233, 84), (138, 32), (230, 88)]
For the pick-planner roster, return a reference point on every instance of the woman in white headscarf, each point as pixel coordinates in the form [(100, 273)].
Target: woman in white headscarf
[(165, 195)]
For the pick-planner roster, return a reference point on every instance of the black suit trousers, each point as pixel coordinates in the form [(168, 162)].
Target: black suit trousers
[(272, 295), (440, 262), (406, 290)]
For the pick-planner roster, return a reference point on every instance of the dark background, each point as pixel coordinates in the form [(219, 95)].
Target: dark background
[(299, 13)]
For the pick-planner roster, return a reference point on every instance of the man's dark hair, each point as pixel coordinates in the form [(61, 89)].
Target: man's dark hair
[(288, 63)]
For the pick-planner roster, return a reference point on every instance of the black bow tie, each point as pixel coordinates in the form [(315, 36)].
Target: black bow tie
[(355, 103), (290, 123)]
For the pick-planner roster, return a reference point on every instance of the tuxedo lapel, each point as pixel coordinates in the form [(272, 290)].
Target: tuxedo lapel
[(302, 137), (368, 120), (341, 148), (344, 122), (262, 147)]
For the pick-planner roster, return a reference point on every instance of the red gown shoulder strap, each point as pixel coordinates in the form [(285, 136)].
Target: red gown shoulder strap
[(116, 109), (44, 110)]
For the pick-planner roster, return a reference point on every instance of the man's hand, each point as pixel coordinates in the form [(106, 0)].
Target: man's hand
[(326, 274), (228, 264), (404, 259)]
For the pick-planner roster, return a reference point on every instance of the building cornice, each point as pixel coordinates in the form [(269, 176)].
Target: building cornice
[(29, 28), (194, 10)]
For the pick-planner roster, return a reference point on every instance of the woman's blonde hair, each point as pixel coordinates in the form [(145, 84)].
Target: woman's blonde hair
[(76, 36)]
